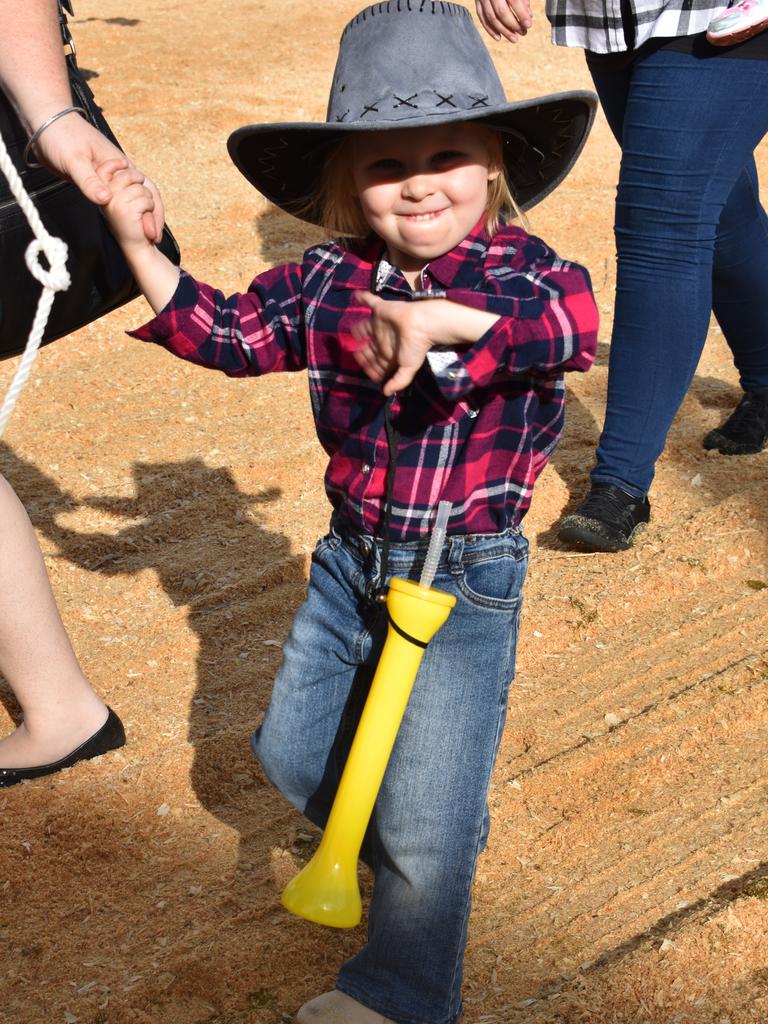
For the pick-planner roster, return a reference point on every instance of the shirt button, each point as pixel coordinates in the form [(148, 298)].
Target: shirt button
[(366, 468), (452, 374)]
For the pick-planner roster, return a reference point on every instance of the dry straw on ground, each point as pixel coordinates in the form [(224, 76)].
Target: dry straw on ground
[(627, 873)]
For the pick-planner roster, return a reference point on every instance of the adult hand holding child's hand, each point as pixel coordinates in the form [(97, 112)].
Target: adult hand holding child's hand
[(131, 205), (75, 149)]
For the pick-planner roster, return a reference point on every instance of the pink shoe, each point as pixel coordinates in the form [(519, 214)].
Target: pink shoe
[(742, 21)]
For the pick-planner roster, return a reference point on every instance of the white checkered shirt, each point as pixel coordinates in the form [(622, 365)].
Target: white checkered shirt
[(596, 24)]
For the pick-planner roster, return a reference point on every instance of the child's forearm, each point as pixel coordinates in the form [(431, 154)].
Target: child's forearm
[(157, 277), (455, 325)]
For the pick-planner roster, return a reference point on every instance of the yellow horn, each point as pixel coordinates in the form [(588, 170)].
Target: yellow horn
[(326, 890)]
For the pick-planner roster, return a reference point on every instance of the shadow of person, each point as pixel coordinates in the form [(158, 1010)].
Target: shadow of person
[(208, 544), (239, 584), (284, 238), (715, 393), (572, 460)]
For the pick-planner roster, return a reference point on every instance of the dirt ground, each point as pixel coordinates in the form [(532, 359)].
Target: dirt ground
[(626, 878)]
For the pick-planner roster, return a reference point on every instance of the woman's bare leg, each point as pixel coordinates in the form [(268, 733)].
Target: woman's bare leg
[(60, 708)]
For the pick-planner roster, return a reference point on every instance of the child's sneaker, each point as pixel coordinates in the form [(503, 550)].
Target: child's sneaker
[(742, 21), (338, 1008)]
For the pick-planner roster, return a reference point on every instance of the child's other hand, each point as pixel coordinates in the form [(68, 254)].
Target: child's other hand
[(133, 205), (395, 340), (506, 19)]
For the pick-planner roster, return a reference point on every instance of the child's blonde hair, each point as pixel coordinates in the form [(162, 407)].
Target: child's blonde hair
[(340, 211)]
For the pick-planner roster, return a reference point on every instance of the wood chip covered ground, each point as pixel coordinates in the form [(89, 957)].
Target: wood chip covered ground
[(626, 879)]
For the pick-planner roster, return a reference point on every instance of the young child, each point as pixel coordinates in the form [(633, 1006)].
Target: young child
[(435, 338), (739, 22)]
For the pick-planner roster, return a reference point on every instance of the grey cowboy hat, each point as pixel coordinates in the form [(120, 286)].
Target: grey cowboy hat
[(408, 64)]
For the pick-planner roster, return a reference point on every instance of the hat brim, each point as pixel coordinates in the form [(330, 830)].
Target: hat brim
[(542, 140)]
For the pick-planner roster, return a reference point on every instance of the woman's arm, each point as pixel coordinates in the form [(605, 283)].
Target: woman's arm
[(32, 69), (33, 74)]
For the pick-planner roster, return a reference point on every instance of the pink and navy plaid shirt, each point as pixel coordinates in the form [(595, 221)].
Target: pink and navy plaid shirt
[(477, 425)]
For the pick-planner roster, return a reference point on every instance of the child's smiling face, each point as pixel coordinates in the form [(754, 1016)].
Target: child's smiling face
[(422, 190)]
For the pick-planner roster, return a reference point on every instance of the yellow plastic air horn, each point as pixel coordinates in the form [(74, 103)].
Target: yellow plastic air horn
[(326, 890)]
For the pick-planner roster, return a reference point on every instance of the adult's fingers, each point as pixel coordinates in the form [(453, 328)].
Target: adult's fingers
[(481, 15), (82, 173), (107, 169), (506, 19)]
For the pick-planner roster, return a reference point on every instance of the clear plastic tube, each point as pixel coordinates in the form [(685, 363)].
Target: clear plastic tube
[(436, 542)]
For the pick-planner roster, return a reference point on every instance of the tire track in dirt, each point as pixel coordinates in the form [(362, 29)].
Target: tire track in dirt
[(649, 810)]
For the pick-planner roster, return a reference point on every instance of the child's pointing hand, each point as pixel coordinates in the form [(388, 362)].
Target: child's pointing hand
[(395, 340)]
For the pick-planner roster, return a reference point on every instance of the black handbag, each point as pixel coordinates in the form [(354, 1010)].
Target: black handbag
[(101, 280)]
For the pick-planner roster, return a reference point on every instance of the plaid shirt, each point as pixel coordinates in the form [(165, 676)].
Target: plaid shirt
[(596, 24), (477, 424)]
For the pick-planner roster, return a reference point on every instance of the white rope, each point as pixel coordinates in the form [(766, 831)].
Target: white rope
[(54, 280)]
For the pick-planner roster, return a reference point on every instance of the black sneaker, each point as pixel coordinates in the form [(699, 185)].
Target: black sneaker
[(607, 520), (745, 432)]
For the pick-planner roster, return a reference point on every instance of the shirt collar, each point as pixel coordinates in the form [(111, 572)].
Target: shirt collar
[(458, 268)]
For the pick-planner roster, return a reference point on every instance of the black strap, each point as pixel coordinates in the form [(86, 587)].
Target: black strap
[(404, 635), (393, 440), (65, 7)]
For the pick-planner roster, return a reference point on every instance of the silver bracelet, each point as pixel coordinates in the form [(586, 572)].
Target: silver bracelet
[(39, 131)]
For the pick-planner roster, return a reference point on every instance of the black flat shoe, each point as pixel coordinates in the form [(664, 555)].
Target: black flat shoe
[(109, 737), (607, 520)]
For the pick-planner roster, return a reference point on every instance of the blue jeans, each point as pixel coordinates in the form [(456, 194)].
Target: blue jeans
[(431, 820), (691, 238)]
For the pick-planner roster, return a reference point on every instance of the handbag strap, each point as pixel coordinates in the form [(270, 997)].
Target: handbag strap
[(65, 8)]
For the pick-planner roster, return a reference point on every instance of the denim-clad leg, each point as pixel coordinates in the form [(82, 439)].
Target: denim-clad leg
[(298, 742), (690, 231), (738, 277), (430, 821)]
